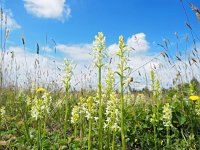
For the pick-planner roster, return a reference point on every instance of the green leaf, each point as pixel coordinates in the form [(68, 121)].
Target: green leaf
[(181, 119), (118, 73)]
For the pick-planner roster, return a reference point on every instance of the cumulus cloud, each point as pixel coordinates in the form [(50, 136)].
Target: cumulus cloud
[(54, 9), (80, 52), (138, 42)]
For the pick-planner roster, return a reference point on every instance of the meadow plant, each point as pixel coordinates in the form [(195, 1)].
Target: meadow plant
[(122, 54), (2, 115), (82, 110), (167, 120), (110, 82), (112, 116), (156, 91), (75, 119), (108, 90), (67, 79), (40, 110), (99, 54), (90, 118)]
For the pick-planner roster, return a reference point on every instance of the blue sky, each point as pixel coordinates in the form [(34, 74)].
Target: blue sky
[(73, 24), (156, 18)]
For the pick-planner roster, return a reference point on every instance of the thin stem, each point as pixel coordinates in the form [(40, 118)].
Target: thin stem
[(168, 137), (155, 136), (39, 140), (75, 131), (100, 112), (113, 141), (26, 127), (122, 112), (66, 116), (108, 139), (90, 134)]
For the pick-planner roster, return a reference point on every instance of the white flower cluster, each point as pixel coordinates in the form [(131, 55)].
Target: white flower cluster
[(112, 113), (140, 99), (123, 54), (2, 115), (167, 115), (69, 72), (98, 48), (2, 112), (41, 106), (86, 107), (58, 103), (197, 109), (110, 80), (75, 115), (28, 101)]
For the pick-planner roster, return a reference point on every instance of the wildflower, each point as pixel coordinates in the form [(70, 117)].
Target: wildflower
[(167, 115), (112, 114), (68, 73), (140, 99), (2, 115), (41, 106), (110, 80), (115, 127), (99, 48), (194, 98), (28, 101), (2, 112), (75, 115), (40, 90), (96, 118)]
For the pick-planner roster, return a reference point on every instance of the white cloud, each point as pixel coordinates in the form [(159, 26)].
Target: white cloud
[(55, 9), (47, 49), (79, 52), (11, 23), (138, 42), (113, 48)]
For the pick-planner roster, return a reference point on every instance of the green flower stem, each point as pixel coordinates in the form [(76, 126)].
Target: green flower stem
[(122, 57), (67, 78), (113, 141), (39, 139), (44, 125), (100, 112), (168, 136), (82, 126), (27, 134), (66, 116), (90, 134), (90, 125), (108, 139), (122, 110), (155, 136), (75, 131)]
